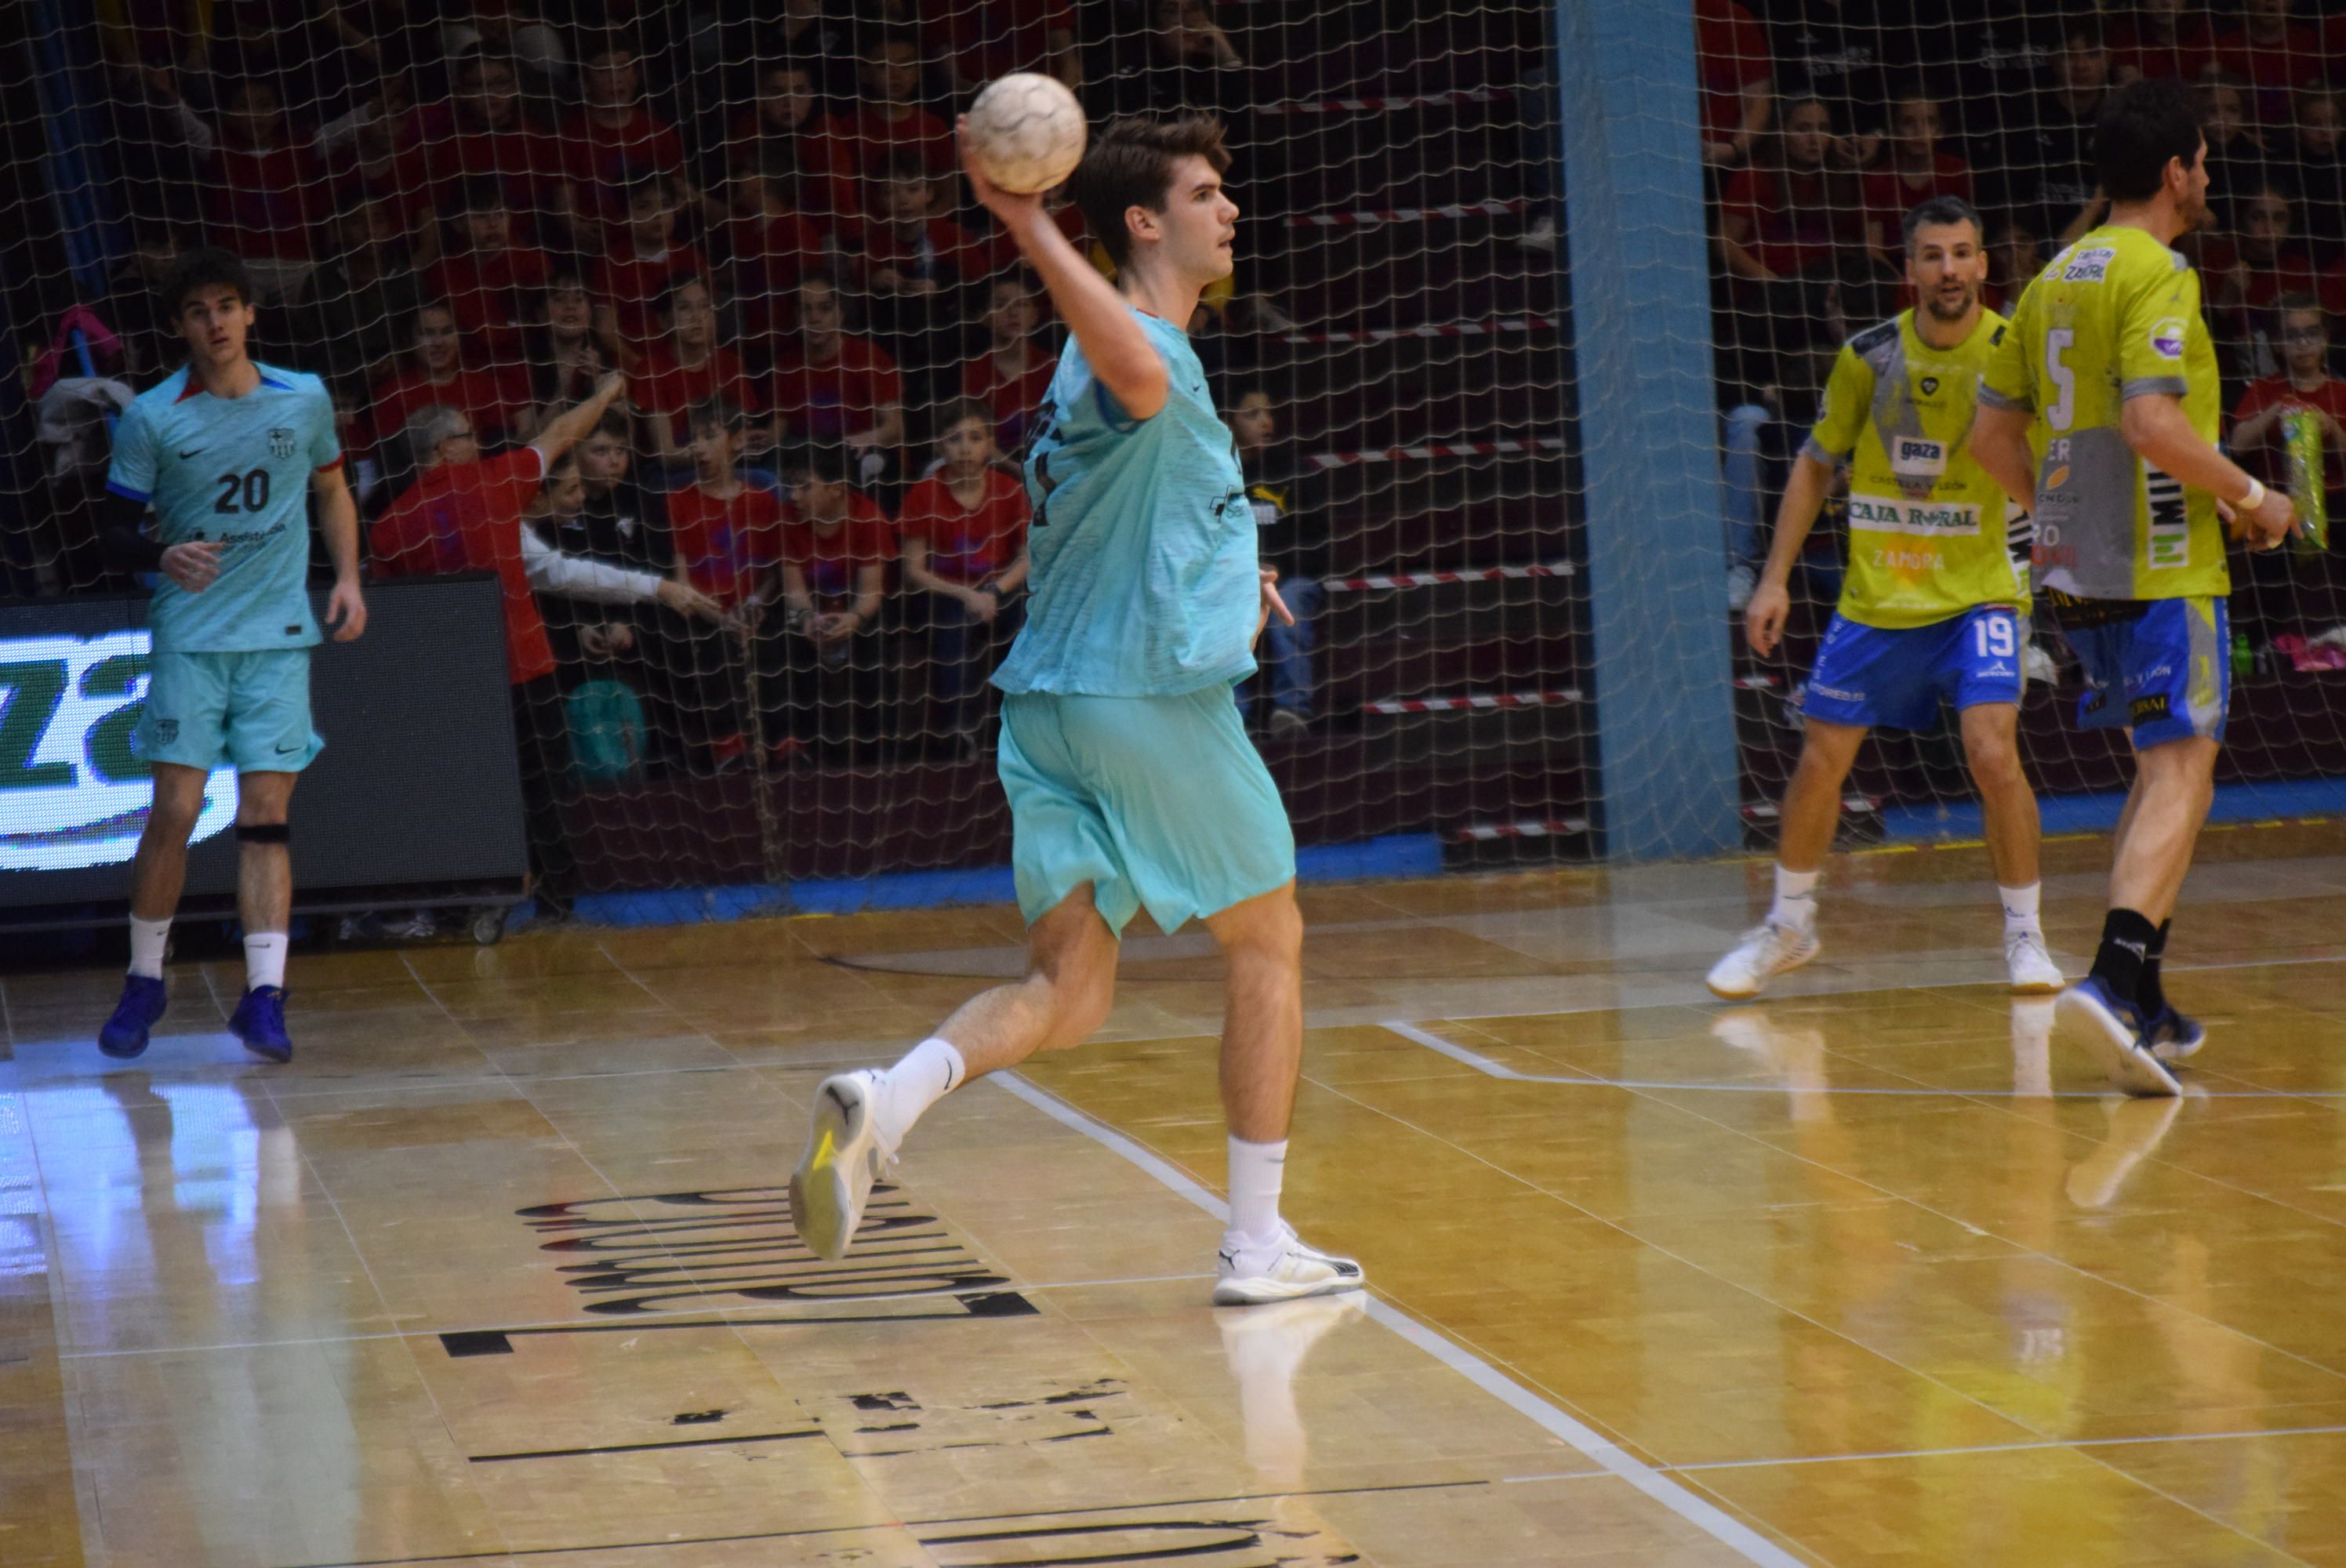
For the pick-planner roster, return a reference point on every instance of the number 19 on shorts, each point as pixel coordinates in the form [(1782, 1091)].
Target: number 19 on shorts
[(1994, 637)]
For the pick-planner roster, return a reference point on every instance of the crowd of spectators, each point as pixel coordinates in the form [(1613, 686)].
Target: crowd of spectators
[(678, 318), (1825, 120)]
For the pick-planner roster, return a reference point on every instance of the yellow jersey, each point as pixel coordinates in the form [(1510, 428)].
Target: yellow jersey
[(1927, 523), (2112, 317)]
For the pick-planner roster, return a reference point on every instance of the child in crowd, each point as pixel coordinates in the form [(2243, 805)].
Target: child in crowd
[(1013, 374), (728, 534), (685, 368), (963, 531), (647, 261), (820, 652)]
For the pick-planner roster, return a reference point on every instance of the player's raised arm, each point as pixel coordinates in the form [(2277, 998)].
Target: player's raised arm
[(1119, 352)]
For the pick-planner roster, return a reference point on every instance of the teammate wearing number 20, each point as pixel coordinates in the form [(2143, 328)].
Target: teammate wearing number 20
[(1932, 604), (228, 452)]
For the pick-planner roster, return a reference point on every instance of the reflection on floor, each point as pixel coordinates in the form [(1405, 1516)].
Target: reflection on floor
[(499, 1270)]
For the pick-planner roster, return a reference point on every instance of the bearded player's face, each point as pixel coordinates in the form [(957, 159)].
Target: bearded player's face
[(1947, 264)]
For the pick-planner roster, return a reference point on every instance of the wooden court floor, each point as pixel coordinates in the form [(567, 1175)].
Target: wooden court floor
[(497, 1271)]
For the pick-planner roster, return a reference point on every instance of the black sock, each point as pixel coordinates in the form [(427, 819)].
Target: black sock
[(2147, 995), (2127, 937)]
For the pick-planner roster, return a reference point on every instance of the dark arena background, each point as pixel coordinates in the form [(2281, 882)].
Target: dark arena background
[(1533, 308)]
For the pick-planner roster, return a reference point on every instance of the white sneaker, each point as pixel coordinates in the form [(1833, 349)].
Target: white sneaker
[(1767, 950), (843, 1157), (2034, 973), (1286, 1272)]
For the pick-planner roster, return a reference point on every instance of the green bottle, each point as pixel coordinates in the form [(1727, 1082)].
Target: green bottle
[(2244, 658), (2302, 428)]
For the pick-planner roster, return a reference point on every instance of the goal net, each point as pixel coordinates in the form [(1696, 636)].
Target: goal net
[(1820, 130), (833, 359)]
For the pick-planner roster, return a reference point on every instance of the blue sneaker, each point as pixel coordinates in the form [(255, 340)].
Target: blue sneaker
[(2111, 1029), (259, 1023), (124, 1036), (2175, 1035)]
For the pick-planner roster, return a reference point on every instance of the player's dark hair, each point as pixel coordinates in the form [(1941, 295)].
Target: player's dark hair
[(960, 408), (207, 267), (2144, 127), (1131, 164), (718, 413), (1942, 210), (823, 462)]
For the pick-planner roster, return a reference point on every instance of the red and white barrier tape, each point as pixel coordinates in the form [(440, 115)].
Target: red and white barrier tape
[(1476, 703), (1382, 106), (1492, 327), (1433, 579), (1765, 810), (1440, 449), (1530, 827), (1403, 214)]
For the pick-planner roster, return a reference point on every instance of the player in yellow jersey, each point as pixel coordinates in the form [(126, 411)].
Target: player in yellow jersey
[(1931, 607), (2100, 409)]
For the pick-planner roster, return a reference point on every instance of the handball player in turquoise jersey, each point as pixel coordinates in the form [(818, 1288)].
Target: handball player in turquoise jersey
[(227, 452), (1130, 780)]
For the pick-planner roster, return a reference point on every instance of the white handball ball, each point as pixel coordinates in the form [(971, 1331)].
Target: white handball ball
[(1028, 132)]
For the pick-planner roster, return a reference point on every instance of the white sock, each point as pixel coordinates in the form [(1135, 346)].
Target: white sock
[(1256, 1172), (1795, 899), (2020, 908), (148, 937), (928, 1073), (264, 959)]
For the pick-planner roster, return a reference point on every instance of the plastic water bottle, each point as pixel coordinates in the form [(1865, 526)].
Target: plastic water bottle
[(2244, 658)]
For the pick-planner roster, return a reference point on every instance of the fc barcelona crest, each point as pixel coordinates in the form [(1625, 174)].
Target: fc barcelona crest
[(281, 442)]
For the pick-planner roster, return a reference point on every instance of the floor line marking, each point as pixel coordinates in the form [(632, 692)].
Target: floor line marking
[(1484, 1065), (1957, 1451), (1704, 1515)]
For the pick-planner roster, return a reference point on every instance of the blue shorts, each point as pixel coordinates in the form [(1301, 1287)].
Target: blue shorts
[(2161, 667), (1868, 676), (250, 709), (1157, 801)]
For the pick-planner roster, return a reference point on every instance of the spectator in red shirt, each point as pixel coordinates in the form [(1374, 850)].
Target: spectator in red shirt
[(1013, 374), (981, 40), (784, 133), (685, 369), (834, 388), (919, 270), (490, 281), (821, 652), (2012, 262), (644, 264), (1737, 80), (497, 404), (2321, 171), (614, 144), (963, 531), (267, 196), (890, 118), (1783, 224), (465, 513), (772, 244), (2270, 54), (2246, 276), (728, 536), (1914, 171), (2302, 335), (566, 359), (481, 132), (2160, 43)]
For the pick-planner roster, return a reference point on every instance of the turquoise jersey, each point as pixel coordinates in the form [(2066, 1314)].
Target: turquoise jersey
[(1143, 544), (236, 470)]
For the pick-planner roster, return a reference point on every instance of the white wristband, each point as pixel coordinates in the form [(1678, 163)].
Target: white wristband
[(2254, 498)]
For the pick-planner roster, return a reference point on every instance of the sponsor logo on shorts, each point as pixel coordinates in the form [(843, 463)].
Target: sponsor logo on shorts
[(2143, 709), (1835, 693), (1998, 669), (1923, 519), (2166, 338)]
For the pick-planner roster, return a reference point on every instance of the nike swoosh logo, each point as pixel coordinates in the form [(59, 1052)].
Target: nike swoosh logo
[(285, 750), (198, 452)]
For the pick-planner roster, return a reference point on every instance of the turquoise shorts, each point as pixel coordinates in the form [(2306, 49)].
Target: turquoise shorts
[(251, 709), (1159, 802)]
